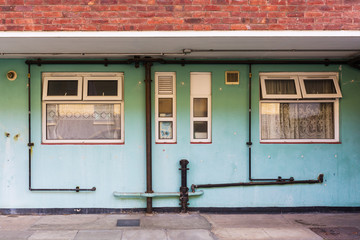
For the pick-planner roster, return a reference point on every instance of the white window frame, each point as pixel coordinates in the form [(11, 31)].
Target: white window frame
[(65, 97), (279, 76), (304, 75), (119, 80), (319, 76), (165, 119), (196, 119), (81, 76)]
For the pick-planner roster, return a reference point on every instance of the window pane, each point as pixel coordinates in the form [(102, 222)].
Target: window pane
[(102, 88), (83, 121), (200, 107), (165, 130), (200, 129), (297, 121), (319, 86), (62, 88), (165, 107), (280, 86)]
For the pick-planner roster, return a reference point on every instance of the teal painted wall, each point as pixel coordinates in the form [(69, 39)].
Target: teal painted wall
[(122, 167)]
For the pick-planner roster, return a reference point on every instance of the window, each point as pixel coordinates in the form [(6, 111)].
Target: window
[(200, 107), (165, 107), (311, 112), (82, 108)]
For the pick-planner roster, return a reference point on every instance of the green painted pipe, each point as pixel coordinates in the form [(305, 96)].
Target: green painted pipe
[(155, 194)]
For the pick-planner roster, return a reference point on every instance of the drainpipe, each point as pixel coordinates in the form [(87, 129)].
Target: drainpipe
[(148, 136)]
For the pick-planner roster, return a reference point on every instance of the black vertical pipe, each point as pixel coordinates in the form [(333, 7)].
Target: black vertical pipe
[(249, 143), (184, 190), (148, 136), (30, 144)]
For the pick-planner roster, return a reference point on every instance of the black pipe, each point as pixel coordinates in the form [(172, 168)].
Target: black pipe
[(148, 136), (30, 145), (245, 184), (184, 190)]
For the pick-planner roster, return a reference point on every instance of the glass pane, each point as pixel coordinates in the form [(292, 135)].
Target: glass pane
[(200, 107), (165, 107), (297, 121), (62, 88), (165, 130), (200, 130), (83, 121), (280, 86), (102, 88), (319, 86)]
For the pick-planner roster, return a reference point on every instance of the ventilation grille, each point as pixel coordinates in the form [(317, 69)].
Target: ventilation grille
[(165, 85), (232, 77)]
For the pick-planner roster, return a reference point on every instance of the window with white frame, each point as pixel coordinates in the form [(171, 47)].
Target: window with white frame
[(82, 107), (165, 107), (299, 107), (200, 107)]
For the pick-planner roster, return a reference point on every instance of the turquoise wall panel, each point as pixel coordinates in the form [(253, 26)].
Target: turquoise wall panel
[(122, 167)]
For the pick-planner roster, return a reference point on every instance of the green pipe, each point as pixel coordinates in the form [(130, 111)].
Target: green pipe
[(155, 194)]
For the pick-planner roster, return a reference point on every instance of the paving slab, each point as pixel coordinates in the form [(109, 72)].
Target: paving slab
[(144, 235), (247, 220), (16, 222), (53, 235), (99, 235), (175, 221), (200, 234), (325, 219), (291, 234), (241, 234), (15, 235)]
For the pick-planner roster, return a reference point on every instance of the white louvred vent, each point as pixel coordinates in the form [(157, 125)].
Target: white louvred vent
[(165, 85)]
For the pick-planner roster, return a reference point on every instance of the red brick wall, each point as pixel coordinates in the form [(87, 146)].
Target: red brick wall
[(175, 15)]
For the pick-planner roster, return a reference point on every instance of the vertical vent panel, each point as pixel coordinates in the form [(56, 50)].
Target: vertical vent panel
[(232, 77), (165, 85)]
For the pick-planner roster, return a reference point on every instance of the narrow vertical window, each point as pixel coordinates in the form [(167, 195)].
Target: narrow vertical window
[(200, 107), (165, 107)]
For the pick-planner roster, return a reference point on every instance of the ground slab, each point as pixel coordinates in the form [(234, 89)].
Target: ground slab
[(191, 226)]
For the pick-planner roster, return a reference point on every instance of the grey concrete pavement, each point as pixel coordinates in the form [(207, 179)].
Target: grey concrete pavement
[(192, 226)]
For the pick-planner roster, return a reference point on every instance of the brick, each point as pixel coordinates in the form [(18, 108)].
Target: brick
[(296, 2), (333, 27), (193, 20), (277, 2), (14, 2), (202, 27), (147, 27), (257, 2), (219, 2), (118, 8), (315, 2), (14, 28), (276, 27), (167, 27), (239, 2), (295, 14), (269, 8), (109, 28), (221, 27), (231, 20), (212, 8), (108, 2), (238, 27)]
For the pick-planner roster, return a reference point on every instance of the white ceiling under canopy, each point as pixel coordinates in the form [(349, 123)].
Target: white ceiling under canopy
[(183, 45)]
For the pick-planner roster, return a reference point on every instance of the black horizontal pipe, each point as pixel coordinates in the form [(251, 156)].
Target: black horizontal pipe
[(105, 61), (30, 145), (63, 189), (245, 184)]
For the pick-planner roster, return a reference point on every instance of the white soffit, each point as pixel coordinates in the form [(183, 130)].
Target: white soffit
[(197, 44)]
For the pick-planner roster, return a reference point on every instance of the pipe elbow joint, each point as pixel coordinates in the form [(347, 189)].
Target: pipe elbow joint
[(193, 187), (321, 178)]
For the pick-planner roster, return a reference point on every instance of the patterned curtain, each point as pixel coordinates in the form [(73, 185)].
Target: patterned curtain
[(297, 121)]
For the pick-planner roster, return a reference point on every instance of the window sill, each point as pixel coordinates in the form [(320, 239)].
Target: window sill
[(200, 142), (82, 143), (165, 142), (300, 142)]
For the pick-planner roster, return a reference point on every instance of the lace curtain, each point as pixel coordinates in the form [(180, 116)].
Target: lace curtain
[(297, 121), (83, 121)]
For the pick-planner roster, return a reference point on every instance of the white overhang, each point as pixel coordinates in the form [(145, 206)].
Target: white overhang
[(183, 44)]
